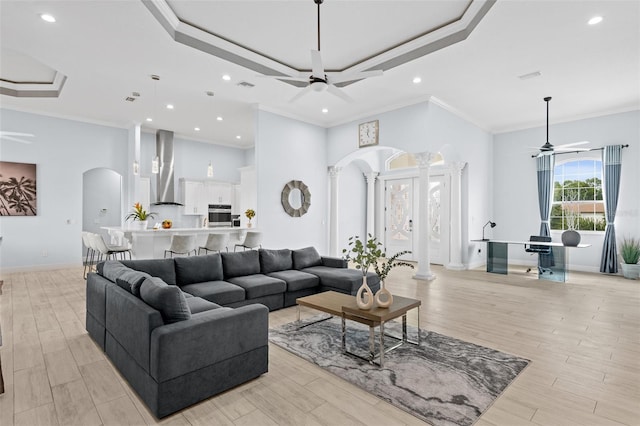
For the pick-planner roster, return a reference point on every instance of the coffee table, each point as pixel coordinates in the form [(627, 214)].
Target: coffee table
[(344, 306)]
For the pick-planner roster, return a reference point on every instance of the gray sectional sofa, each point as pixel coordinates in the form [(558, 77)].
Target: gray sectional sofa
[(181, 330)]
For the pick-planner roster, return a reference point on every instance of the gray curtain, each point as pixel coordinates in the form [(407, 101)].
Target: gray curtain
[(545, 191), (611, 166)]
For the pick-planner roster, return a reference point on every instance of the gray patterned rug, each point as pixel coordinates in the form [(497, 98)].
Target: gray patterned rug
[(444, 381)]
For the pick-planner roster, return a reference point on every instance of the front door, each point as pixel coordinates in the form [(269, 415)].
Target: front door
[(399, 217)]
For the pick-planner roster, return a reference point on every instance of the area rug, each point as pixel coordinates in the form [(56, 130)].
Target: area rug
[(444, 381)]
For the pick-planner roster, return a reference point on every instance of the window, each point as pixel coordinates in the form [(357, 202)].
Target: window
[(577, 196), (405, 160)]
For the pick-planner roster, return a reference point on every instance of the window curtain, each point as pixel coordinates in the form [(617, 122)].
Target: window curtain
[(611, 167), (545, 191), (545, 164)]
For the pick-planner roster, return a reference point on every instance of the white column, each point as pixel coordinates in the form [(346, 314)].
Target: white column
[(333, 213), (424, 263), (371, 202), (455, 261)]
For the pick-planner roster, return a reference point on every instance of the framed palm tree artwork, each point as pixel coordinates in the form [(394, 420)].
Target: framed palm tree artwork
[(17, 189)]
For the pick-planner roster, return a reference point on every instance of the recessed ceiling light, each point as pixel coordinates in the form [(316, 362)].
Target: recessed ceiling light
[(149, 119), (197, 129), (595, 20), (417, 80), (169, 106), (47, 17), (238, 137), (219, 118), (226, 77), (325, 110)]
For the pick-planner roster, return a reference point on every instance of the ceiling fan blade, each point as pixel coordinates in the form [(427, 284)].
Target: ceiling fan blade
[(301, 93), (570, 149), (3, 133), (572, 144), (339, 93), (285, 77), (11, 138), (316, 65), (355, 76)]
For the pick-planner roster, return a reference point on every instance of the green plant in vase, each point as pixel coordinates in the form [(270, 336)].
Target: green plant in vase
[(140, 214), (250, 214), (630, 252)]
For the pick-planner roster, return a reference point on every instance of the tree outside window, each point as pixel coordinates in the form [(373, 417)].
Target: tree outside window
[(577, 196)]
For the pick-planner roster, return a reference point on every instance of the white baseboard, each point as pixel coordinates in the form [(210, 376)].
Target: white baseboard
[(32, 268)]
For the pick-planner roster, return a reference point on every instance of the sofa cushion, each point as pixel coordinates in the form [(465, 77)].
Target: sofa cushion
[(275, 260), (168, 299), (161, 268), (259, 285), (131, 281), (197, 269), (344, 279), (306, 258), (240, 264), (297, 280), (220, 292), (198, 304)]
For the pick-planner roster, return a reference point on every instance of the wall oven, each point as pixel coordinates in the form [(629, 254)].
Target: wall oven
[(219, 215)]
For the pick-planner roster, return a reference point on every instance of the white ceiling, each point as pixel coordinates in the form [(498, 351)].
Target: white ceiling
[(109, 49)]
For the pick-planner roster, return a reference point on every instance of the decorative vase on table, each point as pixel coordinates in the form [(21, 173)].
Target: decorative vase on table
[(142, 224), (570, 238), (249, 224), (364, 296), (384, 298)]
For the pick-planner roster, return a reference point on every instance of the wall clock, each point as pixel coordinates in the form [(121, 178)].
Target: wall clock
[(368, 133)]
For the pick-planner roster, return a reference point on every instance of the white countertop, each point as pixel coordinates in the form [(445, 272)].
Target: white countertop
[(162, 231)]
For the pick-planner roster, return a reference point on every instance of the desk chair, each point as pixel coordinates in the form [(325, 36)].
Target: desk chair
[(536, 248)]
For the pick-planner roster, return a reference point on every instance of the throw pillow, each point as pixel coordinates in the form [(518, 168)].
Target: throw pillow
[(168, 299), (306, 258), (131, 281)]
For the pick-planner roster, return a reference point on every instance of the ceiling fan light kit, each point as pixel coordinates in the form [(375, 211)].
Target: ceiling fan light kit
[(319, 81)]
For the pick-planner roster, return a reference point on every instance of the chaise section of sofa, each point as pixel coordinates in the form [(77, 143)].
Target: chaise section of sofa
[(173, 348)]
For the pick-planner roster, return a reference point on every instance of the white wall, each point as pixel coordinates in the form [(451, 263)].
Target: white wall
[(419, 128), (287, 150), (516, 201), (63, 150)]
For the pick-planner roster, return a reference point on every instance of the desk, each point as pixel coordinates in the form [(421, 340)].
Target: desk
[(554, 266)]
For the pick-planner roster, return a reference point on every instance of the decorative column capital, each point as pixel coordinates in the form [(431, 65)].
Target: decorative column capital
[(371, 177), (334, 171), (457, 167), (424, 159)]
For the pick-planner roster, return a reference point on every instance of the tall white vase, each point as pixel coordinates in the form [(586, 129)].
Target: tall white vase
[(364, 296), (384, 298)]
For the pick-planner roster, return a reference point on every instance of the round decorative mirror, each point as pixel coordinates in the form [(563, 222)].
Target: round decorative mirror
[(296, 198)]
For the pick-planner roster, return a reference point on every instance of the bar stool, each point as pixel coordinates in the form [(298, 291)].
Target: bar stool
[(252, 240), (88, 259), (182, 244), (215, 242), (106, 252)]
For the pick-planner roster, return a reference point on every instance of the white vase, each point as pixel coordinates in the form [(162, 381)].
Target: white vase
[(364, 296), (630, 271), (384, 298), (142, 224)]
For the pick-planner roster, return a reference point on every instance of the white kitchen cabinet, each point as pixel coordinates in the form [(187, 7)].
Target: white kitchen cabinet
[(218, 192), (193, 197)]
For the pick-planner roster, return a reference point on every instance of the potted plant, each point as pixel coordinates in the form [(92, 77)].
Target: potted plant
[(571, 237), (250, 214), (141, 215), (365, 254), (630, 252)]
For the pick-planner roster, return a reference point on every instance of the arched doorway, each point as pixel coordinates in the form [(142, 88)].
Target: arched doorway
[(101, 200)]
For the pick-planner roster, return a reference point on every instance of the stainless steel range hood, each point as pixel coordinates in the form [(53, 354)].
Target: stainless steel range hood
[(165, 186)]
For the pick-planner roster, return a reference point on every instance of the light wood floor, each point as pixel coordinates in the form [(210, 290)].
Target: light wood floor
[(583, 338)]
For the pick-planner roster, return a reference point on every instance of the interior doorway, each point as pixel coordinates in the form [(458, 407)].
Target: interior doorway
[(101, 200)]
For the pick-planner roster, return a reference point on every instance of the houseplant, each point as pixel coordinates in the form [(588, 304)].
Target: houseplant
[(365, 254), (140, 214), (630, 252), (250, 214)]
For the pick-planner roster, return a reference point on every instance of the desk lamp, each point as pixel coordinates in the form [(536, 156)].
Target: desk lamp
[(493, 225)]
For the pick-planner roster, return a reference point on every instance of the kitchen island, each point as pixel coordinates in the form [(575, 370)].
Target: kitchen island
[(151, 243)]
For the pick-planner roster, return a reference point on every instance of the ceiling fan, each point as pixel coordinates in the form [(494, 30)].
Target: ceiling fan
[(11, 136), (548, 148), (320, 81)]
